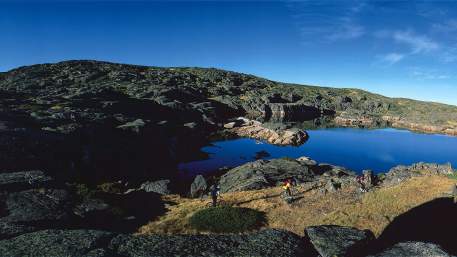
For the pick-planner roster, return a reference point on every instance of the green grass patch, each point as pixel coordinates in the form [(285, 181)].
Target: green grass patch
[(453, 175), (227, 219)]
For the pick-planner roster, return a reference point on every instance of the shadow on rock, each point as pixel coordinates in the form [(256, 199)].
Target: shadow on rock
[(433, 222), (121, 213)]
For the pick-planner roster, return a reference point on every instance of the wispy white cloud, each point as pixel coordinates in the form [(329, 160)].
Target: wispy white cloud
[(417, 43), (427, 74), (347, 30), (316, 25), (392, 58), (445, 27)]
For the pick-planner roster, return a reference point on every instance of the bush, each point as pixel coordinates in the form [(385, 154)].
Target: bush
[(82, 191), (227, 219), (452, 176)]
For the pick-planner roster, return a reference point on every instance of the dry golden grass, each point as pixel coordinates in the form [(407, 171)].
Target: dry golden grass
[(373, 210)]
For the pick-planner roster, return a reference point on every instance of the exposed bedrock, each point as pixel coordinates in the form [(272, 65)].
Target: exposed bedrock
[(254, 129), (267, 173), (291, 112), (79, 243)]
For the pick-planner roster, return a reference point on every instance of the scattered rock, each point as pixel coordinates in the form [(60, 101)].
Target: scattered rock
[(332, 241), (400, 173), (159, 186), (413, 249), (198, 186), (89, 206), (17, 181), (134, 126), (308, 161)]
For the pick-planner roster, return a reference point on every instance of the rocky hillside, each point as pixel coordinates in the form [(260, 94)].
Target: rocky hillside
[(73, 117)]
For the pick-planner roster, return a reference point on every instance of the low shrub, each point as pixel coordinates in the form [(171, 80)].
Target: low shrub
[(227, 219), (82, 191), (452, 176)]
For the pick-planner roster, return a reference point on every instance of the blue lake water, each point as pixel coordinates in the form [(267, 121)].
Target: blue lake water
[(356, 149)]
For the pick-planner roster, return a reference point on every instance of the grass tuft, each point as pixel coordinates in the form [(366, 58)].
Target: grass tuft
[(227, 219)]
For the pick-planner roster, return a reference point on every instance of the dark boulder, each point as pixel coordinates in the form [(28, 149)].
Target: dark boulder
[(262, 173), (159, 186), (90, 206), (36, 206), (413, 249), (332, 241), (17, 181), (35, 209), (58, 243), (198, 186), (262, 244)]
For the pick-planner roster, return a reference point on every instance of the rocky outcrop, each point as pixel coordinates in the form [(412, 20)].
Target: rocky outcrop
[(33, 209), (58, 243), (355, 121), (159, 186), (198, 186), (17, 181), (267, 173), (264, 243), (291, 112), (79, 243), (399, 122), (264, 173), (400, 173), (254, 129), (332, 241), (413, 249)]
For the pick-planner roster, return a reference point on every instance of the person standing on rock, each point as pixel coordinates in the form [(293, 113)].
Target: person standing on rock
[(215, 193)]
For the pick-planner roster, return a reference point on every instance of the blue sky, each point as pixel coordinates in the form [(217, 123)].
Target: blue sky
[(395, 48)]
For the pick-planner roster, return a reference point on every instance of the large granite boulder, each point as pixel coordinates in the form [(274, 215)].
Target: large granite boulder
[(264, 243), (34, 209), (76, 243), (254, 129), (17, 181), (198, 186), (159, 186), (330, 241), (413, 249), (58, 243), (37, 205), (264, 173)]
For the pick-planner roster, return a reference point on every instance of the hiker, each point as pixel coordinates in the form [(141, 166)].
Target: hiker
[(287, 185), (215, 193)]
